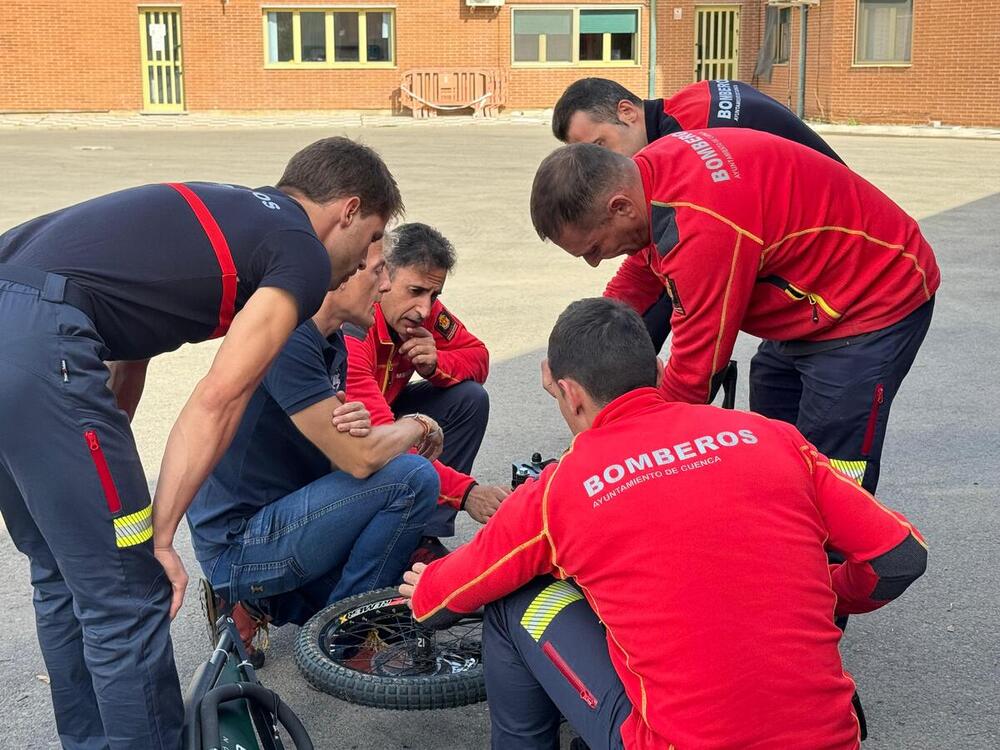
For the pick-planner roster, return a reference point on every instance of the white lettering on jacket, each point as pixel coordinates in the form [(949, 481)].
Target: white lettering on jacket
[(681, 452)]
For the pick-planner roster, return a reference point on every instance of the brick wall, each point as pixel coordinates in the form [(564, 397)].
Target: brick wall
[(675, 42), (55, 56), (954, 67), (89, 59), (53, 60)]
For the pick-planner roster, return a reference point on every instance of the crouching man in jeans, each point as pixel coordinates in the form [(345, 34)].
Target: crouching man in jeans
[(310, 504), (666, 583)]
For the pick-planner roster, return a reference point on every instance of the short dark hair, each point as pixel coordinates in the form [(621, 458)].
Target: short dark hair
[(419, 245), (569, 184), (337, 167), (598, 97), (603, 345)]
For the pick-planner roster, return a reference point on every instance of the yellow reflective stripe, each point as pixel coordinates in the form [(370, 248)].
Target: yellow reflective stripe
[(854, 469), (134, 528), (550, 601)]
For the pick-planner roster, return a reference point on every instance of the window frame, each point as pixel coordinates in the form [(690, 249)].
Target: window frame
[(776, 58), (858, 63), (574, 32), (296, 63)]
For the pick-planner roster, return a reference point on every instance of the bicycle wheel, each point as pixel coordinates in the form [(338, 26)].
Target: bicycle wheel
[(368, 650)]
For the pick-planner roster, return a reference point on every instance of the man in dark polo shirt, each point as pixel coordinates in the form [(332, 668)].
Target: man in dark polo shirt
[(602, 111), (280, 534), (124, 277)]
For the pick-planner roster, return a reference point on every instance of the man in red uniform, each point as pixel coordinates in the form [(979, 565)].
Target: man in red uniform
[(415, 333), (602, 111), (747, 231), (689, 541)]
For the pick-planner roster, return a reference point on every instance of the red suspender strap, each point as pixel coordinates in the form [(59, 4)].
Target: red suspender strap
[(227, 306)]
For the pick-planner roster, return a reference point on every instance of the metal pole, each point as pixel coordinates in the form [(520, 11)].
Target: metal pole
[(800, 109), (652, 49)]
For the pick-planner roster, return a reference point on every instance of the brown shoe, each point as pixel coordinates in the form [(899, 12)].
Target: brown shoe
[(251, 624)]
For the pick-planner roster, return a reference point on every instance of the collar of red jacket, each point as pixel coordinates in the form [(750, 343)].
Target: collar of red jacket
[(627, 405), (645, 172), (381, 327)]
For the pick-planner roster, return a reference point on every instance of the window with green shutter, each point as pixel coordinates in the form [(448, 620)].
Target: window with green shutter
[(543, 36), (575, 36)]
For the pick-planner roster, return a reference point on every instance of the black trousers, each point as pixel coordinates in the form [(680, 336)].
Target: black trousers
[(463, 412), (838, 393), (546, 656), (75, 501)]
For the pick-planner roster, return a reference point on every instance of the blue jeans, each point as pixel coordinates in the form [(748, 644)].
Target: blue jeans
[(335, 537), (463, 412)]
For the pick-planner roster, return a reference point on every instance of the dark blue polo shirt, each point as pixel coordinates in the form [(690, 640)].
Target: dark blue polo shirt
[(151, 271), (729, 104), (269, 458)]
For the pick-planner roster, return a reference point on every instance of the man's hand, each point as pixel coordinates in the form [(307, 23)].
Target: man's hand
[(178, 577), (421, 350), (352, 417), (410, 580), (483, 501), (548, 384), (431, 443)]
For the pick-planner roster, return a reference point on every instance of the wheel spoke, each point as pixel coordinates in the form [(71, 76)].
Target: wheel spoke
[(388, 642)]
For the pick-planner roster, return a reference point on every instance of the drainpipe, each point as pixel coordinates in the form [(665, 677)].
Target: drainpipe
[(800, 108), (652, 49)]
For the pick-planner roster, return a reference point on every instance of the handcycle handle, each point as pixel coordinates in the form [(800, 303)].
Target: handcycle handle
[(729, 385)]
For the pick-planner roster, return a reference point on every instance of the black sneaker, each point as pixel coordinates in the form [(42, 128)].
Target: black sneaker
[(429, 550)]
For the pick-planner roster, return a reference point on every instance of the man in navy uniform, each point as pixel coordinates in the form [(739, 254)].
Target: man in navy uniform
[(122, 278), (311, 504)]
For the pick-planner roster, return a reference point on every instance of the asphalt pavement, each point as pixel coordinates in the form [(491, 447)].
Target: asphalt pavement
[(927, 665)]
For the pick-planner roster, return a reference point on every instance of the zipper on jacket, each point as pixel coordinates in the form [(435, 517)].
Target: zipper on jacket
[(878, 398), (569, 674), (812, 302), (797, 295), (103, 472)]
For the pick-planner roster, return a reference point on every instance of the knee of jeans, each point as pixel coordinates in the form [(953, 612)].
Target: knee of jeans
[(426, 488), (420, 475)]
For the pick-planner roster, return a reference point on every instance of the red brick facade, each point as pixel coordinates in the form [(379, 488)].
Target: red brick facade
[(89, 58)]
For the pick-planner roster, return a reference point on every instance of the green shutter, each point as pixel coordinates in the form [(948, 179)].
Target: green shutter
[(542, 21), (608, 21)]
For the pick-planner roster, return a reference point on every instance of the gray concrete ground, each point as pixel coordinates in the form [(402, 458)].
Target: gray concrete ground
[(927, 665)]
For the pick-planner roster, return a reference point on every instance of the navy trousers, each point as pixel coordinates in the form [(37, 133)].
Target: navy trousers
[(546, 657), (75, 501), (838, 393), (463, 412)]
